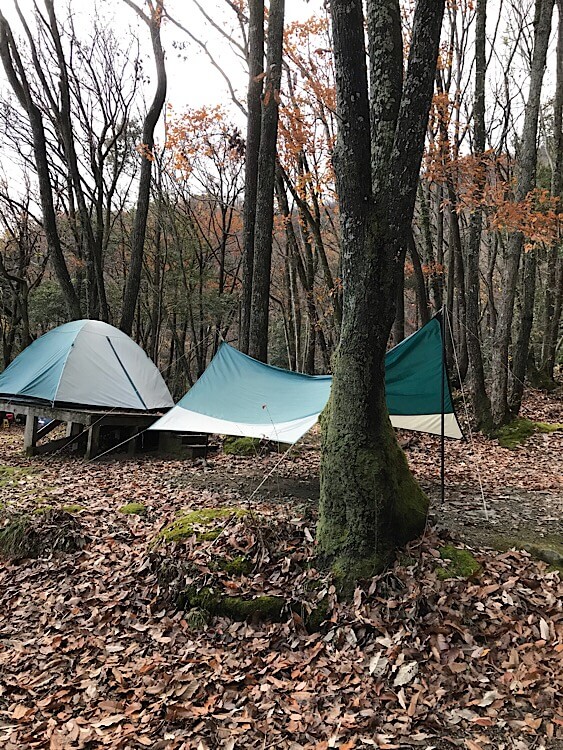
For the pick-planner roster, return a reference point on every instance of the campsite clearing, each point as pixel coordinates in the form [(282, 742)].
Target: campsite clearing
[(93, 651)]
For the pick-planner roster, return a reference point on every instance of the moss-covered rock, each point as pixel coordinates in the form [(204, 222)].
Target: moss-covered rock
[(236, 607), (185, 526), (462, 564), (38, 534), (519, 430), (133, 509), (72, 508), (241, 446), (549, 549), (238, 566)]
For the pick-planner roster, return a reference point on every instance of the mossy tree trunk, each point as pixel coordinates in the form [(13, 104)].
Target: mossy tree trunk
[(370, 502)]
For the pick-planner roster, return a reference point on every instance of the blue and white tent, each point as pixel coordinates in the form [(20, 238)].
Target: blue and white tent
[(86, 363), (238, 395)]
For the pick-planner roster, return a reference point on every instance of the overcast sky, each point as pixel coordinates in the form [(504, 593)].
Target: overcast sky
[(192, 80)]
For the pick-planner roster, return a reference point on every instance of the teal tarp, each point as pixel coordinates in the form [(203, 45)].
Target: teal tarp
[(238, 395)]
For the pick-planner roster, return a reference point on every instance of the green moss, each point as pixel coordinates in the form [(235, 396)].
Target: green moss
[(519, 430), (241, 446), (42, 509), (346, 572), (370, 504), (548, 427), (235, 607), (259, 608), (238, 566), (317, 616), (133, 509), (184, 526), (208, 536), (409, 508), (462, 563), (11, 474), (549, 548), (72, 508)]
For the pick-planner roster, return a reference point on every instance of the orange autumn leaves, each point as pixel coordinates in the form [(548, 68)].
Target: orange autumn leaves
[(489, 182), (307, 128)]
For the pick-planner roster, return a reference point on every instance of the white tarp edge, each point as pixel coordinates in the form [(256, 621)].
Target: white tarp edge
[(184, 420)]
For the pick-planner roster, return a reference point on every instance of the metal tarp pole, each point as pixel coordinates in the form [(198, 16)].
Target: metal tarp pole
[(442, 410)]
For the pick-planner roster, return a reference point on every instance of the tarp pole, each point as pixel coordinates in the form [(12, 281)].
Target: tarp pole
[(442, 410)]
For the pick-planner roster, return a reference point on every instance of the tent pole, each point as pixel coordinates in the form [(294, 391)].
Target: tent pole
[(442, 410)]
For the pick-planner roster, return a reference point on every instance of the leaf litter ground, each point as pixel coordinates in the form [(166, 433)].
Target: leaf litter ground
[(93, 654)]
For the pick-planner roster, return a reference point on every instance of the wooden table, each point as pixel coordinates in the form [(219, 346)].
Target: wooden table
[(83, 425)]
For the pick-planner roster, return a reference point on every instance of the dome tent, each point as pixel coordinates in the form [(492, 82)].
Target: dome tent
[(86, 363)]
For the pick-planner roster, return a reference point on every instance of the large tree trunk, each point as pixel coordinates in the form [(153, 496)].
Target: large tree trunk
[(17, 78), (369, 500), (264, 221), (479, 397), (254, 106), (527, 159), (133, 283)]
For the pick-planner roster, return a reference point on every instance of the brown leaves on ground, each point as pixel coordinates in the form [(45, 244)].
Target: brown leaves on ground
[(90, 657)]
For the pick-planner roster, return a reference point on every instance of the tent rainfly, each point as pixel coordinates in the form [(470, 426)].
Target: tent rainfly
[(238, 395), (86, 363)]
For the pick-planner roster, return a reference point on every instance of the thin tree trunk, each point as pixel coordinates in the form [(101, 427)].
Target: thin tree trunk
[(133, 283), (254, 107), (479, 397), (264, 221), (17, 78), (520, 359), (554, 282), (399, 322), (93, 249), (526, 182), (421, 292)]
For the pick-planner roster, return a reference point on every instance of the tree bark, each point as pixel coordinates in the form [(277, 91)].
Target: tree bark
[(554, 281), (254, 107), (369, 500), (17, 78), (479, 397), (133, 283), (67, 133), (527, 163), (520, 359), (264, 221)]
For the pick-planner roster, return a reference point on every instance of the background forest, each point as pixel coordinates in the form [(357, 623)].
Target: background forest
[(115, 204)]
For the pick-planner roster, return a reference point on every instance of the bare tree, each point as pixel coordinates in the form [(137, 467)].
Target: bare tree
[(133, 283)]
